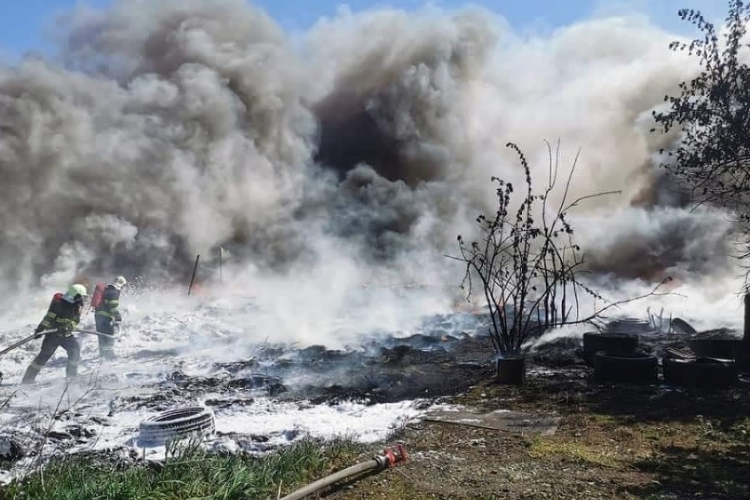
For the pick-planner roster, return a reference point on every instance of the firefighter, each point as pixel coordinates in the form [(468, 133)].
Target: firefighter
[(63, 315), (108, 317)]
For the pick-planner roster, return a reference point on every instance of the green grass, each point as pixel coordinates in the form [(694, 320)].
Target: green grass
[(191, 475), (601, 456)]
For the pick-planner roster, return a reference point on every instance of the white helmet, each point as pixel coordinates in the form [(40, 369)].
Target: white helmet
[(119, 282)]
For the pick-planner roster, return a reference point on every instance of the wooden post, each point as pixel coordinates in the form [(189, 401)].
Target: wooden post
[(195, 268), (746, 329), (221, 255), (743, 357)]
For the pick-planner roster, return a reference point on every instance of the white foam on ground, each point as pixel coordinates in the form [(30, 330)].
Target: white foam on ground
[(282, 423), (167, 331), (366, 423)]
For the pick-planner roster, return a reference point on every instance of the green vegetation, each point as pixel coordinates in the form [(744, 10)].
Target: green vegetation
[(711, 153), (192, 474), (602, 455)]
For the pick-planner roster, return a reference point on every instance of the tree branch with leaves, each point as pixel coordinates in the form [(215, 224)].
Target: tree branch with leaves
[(712, 112)]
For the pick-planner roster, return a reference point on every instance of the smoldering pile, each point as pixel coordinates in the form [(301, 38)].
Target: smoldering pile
[(446, 356)]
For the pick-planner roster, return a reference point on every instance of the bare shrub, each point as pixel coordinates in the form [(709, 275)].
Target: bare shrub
[(527, 262)]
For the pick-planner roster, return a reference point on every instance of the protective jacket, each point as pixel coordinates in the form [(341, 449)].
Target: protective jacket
[(62, 316), (110, 304)]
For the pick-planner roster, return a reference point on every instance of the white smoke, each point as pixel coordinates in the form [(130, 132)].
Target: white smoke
[(361, 149)]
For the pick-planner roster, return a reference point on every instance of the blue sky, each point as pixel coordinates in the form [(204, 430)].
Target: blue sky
[(22, 22)]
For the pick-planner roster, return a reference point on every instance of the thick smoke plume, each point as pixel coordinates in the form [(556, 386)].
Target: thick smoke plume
[(167, 129)]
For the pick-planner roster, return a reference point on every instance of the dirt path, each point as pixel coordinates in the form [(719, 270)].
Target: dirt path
[(567, 438)]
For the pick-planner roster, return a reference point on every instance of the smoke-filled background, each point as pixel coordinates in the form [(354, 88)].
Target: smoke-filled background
[(351, 154)]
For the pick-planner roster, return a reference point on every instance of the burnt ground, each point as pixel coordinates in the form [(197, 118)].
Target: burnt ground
[(387, 369), (582, 439), (610, 443), (562, 435)]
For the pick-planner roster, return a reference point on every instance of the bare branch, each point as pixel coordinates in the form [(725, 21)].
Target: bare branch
[(527, 264)]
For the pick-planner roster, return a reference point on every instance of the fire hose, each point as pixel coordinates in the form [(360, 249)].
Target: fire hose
[(25, 341), (43, 333), (390, 458), (91, 332)]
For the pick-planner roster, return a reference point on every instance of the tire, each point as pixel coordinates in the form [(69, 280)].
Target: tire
[(702, 372), (610, 343), (715, 348), (683, 326), (179, 422), (630, 326), (627, 369)]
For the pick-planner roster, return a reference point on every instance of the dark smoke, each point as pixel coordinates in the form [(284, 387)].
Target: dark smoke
[(167, 129)]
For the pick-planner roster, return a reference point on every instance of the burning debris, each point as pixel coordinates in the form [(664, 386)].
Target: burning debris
[(447, 357)]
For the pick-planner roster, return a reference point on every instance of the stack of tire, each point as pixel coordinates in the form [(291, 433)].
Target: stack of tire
[(716, 364), (616, 357), (705, 373)]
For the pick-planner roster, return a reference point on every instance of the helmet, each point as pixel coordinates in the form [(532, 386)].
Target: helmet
[(119, 282), (77, 289), (76, 292)]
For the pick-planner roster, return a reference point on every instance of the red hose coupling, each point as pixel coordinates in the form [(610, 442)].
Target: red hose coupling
[(395, 455)]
